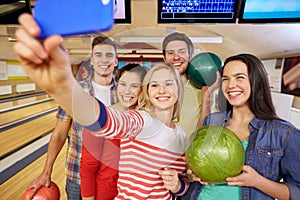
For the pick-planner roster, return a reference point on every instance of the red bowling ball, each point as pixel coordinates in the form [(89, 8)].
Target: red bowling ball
[(44, 193)]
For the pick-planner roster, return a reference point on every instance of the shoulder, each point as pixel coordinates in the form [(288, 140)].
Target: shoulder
[(181, 134), (85, 84), (146, 116), (216, 118), (281, 126), (143, 115), (191, 86), (180, 130)]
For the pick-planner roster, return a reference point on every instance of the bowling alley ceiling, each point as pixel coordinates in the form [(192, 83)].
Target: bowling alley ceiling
[(263, 40)]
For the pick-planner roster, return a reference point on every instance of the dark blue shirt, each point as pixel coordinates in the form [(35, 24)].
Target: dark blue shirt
[(273, 151)]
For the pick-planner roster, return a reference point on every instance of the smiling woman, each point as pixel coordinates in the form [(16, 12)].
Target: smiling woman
[(162, 93), (130, 84), (99, 154), (150, 141), (270, 143)]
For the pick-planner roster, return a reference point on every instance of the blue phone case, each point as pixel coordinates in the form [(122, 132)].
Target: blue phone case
[(73, 17)]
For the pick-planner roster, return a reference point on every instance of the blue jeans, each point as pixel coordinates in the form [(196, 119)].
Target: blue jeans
[(73, 190)]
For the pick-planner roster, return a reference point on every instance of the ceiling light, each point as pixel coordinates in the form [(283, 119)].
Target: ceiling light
[(158, 51), (207, 39), (202, 39), (152, 56), (11, 39), (124, 51), (88, 51), (129, 56), (79, 51)]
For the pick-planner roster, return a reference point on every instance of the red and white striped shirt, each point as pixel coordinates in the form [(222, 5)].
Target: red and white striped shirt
[(147, 147)]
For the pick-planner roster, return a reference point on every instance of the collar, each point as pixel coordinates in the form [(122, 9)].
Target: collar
[(256, 123)]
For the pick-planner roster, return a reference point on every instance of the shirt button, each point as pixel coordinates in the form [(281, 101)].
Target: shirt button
[(269, 153)]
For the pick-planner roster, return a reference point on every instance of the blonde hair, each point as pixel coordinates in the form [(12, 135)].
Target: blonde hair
[(145, 104)]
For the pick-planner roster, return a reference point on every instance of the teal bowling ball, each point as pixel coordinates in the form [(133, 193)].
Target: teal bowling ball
[(202, 69)]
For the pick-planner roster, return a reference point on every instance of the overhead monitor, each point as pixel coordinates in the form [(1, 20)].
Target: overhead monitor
[(197, 11), (269, 11), (122, 11)]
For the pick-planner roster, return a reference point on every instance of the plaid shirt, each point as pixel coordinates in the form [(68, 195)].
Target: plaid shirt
[(75, 134)]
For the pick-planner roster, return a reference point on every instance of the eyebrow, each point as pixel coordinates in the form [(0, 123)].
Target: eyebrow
[(237, 74), (177, 50), (164, 81), (98, 52)]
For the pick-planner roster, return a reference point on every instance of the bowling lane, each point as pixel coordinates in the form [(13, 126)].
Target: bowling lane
[(18, 114), (23, 101), (18, 136)]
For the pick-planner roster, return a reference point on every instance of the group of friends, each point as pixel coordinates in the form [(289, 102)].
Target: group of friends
[(126, 139)]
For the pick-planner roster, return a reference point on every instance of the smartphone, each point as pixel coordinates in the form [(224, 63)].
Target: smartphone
[(73, 17)]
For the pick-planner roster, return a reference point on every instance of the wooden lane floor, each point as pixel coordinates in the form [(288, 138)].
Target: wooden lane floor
[(18, 136), (15, 187), (21, 113), (23, 101)]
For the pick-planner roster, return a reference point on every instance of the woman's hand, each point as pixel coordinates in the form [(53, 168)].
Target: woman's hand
[(45, 62), (170, 179), (249, 177), (193, 177)]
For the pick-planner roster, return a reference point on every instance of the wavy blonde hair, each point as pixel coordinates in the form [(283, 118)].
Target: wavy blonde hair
[(144, 102)]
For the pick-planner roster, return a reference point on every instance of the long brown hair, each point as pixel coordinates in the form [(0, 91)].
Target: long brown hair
[(260, 100)]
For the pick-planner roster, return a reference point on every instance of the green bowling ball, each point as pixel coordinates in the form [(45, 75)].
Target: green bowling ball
[(215, 153), (202, 69)]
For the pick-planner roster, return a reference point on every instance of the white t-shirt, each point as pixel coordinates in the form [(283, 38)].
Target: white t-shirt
[(102, 93)]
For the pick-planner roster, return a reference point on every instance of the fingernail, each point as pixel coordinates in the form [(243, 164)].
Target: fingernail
[(43, 54)]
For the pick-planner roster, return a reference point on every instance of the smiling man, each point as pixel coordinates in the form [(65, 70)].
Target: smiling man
[(100, 84), (178, 50), (103, 86), (103, 60)]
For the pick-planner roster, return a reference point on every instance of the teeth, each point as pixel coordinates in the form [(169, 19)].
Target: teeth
[(127, 98), (103, 66), (234, 93), (163, 98)]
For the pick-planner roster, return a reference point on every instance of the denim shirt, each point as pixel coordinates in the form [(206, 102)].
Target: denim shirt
[(273, 151)]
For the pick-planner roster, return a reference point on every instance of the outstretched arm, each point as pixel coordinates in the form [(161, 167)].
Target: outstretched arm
[(47, 64)]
